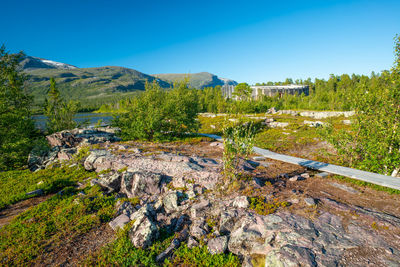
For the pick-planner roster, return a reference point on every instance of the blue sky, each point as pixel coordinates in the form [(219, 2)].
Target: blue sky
[(248, 41)]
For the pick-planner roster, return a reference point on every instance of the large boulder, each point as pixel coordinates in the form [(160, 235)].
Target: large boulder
[(98, 160), (144, 230), (141, 184)]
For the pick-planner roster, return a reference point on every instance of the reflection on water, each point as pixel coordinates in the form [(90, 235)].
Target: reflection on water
[(88, 119)]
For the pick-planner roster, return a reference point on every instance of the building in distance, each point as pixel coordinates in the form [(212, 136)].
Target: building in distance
[(269, 90)]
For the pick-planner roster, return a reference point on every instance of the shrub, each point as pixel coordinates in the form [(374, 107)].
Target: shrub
[(159, 114), (238, 143)]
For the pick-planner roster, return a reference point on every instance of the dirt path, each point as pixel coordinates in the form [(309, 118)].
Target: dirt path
[(7, 214)]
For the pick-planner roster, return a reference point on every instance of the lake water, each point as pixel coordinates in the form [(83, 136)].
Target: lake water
[(89, 119)]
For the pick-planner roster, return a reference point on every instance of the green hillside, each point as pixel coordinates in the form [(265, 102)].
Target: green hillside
[(88, 85)]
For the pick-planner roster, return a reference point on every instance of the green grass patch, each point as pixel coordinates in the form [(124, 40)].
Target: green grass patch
[(49, 224), (260, 206), (15, 184)]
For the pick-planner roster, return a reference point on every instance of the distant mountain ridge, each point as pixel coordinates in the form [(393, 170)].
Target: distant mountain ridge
[(197, 80), (101, 83)]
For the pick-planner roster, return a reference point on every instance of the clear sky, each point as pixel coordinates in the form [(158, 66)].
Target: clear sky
[(248, 41)]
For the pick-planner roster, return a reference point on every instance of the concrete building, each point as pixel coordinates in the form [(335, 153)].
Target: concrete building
[(269, 90)]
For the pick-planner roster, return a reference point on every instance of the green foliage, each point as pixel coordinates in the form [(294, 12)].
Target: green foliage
[(50, 223), (159, 114), (59, 113), (242, 91), (259, 205), (199, 256), (238, 142), (16, 127), (15, 184), (373, 143)]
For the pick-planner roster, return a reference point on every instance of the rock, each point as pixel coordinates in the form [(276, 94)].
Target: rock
[(144, 231), (218, 245), (227, 221), (346, 122), (310, 201), (314, 123), (277, 124), (199, 209), (197, 231), (296, 178), (244, 240), (271, 111), (94, 155), (345, 188), (66, 153), (37, 192), (291, 255), (241, 202), (326, 114), (119, 222), (322, 174), (259, 158), (125, 208), (305, 175), (192, 242), (141, 184), (170, 202), (173, 246), (112, 182)]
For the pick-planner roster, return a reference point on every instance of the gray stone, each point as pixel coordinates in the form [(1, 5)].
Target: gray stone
[(227, 221), (111, 181), (197, 231), (192, 242), (37, 192), (126, 208), (345, 188), (322, 174), (241, 202), (144, 231), (119, 222), (141, 184), (218, 245), (170, 202), (310, 201)]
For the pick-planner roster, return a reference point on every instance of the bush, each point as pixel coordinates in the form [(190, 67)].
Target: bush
[(159, 114), (238, 142)]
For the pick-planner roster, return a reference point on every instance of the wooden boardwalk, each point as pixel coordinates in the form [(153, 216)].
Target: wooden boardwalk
[(370, 177)]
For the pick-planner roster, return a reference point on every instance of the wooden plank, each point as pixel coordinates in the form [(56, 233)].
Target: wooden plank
[(370, 177)]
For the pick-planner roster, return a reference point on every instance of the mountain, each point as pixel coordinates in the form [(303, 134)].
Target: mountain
[(197, 80), (96, 86), (34, 63)]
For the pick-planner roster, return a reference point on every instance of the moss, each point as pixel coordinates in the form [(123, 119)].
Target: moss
[(50, 223)]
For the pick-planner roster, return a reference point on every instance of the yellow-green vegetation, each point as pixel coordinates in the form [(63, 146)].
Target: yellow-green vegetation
[(121, 252), (48, 225), (262, 207), (199, 256), (15, 184)]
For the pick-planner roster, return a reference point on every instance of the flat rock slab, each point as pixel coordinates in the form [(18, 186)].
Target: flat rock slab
[(345, 188), (322, 175)]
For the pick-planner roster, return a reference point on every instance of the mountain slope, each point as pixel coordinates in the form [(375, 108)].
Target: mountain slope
[(88, 83), (197, 80)]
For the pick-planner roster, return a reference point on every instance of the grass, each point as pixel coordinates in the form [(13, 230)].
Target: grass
[(51, 223), (15, 184)]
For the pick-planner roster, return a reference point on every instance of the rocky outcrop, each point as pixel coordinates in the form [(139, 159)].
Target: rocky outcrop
[(63, 145), (181, 195)]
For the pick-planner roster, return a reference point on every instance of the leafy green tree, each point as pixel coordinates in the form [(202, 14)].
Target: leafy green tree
[(159, 114), (243, 91), (59, 113), (16, 126), (374, 142)]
